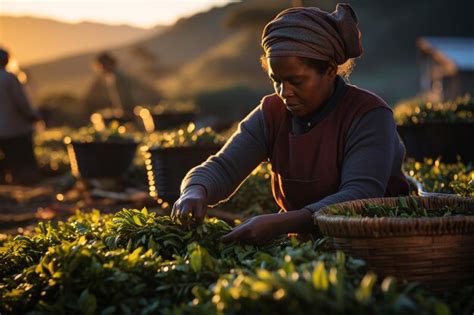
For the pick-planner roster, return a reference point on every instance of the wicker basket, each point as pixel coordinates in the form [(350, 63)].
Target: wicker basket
[(171, 120), (168, 166), (437, 252), (100, 159)]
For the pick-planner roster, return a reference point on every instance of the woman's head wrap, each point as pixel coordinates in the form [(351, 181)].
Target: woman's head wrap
[(312, 33)]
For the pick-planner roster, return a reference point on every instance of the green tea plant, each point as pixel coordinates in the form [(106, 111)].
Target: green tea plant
[(189, 136), (113, 132), (50, 150), (132, 229), (135, 262), (435, 176), (254, 196), (404, 209), (25, 250), (311, 287), (417, 111)]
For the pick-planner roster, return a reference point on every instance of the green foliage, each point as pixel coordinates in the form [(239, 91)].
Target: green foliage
[(50, 150), (435, 176), (406, 208), (320, 287), (416, 111), (185, 137), (113, 132), (24, 251), (132, 229), (138, 263), (254, 196), (464, 186)]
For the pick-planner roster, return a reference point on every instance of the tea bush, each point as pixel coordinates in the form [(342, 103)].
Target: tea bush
[(135, 262)]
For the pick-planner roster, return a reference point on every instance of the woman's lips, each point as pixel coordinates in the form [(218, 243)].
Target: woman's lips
[(293, 106)]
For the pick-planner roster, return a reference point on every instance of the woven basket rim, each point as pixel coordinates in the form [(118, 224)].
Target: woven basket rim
[(325, 211), (339, 225)]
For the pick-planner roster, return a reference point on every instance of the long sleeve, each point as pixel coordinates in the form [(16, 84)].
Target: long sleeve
[(372, 143), (22, 102), (222, 173), (123, 85)]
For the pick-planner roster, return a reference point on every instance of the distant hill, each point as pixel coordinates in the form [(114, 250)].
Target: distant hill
[(159, 55), (200, 54), (34, 40), (234, 61), (389, 32)]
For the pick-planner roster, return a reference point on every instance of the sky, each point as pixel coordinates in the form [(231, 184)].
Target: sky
[(141, 13)]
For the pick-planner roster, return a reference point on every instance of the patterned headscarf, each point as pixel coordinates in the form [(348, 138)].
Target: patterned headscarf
[(312, 33)]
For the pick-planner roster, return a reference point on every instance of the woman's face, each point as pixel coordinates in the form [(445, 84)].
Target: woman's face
[(302, 88)]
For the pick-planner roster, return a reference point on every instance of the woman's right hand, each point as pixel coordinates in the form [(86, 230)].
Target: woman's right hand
[(193, 202)]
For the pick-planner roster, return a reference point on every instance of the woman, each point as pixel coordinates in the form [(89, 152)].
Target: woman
[(327, 141), (17, 119), (111, 88)]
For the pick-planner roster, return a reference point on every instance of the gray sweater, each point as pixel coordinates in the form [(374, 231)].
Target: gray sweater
[(17, 115), (373, 152)]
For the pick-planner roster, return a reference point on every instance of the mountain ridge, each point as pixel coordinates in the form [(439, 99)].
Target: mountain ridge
[(199, 48), (50, 39)]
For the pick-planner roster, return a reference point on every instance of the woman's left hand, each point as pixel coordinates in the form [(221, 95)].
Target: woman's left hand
[(263, 228), (258, 230)]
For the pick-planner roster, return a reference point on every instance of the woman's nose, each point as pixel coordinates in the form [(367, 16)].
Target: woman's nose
[(285, 90)]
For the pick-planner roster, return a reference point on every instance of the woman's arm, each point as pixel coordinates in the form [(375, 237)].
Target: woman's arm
[(263, 228), (217, 178), (22, 102), (371, 147)]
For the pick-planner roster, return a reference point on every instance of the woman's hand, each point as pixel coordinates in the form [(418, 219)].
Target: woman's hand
[(263, 228), (193, 202), (39, 126), (258, 230)]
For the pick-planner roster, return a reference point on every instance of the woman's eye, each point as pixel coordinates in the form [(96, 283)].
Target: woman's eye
[(296, 82)]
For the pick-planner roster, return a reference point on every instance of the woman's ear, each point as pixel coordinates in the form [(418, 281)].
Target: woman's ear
[(331, 71)]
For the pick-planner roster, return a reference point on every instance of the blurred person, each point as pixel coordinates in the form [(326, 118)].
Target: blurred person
[(17, 121), (327, 141), (111, 88)]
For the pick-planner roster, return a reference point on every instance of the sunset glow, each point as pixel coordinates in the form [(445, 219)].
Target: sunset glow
[(141, 13)]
